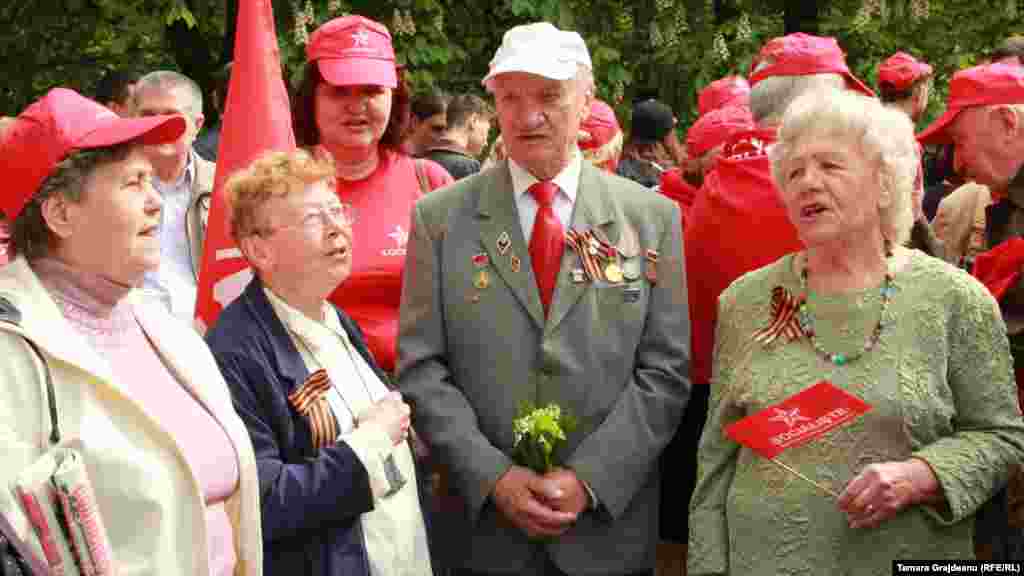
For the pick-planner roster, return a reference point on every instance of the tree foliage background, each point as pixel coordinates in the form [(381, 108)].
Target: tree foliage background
[(667, 49)]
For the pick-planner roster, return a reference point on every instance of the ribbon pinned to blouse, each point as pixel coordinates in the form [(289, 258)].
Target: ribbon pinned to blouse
[(310, 400), (785, 321)]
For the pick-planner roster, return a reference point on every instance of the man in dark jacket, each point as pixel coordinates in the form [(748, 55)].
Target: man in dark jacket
[(984, 120), (464, 138)]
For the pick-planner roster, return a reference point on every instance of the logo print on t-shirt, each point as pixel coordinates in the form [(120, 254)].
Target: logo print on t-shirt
[(401, 238)]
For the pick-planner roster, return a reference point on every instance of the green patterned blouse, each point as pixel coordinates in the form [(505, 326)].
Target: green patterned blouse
[(941, 385)]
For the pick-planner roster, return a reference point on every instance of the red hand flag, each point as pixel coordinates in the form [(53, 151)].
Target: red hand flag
[(797, 420), (257, 118), (999, 268)]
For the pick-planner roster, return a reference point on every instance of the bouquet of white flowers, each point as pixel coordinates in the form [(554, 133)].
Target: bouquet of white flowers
[(537, 432)]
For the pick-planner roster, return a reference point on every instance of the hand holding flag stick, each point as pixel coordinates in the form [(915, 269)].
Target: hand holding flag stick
[(799, 419)]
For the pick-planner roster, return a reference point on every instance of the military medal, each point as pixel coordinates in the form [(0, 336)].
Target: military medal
[(515, 263), (630, 275), (481, 280), (613, 273), (651, 269), (503, 243), (480, 260), (578, 276)]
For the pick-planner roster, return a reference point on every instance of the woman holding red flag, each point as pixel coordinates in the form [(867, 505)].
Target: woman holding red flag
[(918, 340), (352, 102)]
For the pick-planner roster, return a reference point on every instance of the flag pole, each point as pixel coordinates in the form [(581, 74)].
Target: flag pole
[(825, 489)]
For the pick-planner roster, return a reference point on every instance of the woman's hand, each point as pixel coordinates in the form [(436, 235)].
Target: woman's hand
[(882, 490), (391, 414)]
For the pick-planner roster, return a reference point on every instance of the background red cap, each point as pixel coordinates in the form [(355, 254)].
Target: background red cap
[(900, 71), (717, 127), (979, 86), (723, 92), (353, 50), (601, 126), (802, 54), (56, 125)]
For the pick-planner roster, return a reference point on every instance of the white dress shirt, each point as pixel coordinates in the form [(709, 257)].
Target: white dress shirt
[(174, 281), (568, 181)]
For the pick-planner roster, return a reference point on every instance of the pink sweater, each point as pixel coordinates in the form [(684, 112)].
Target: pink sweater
[(97, 308)]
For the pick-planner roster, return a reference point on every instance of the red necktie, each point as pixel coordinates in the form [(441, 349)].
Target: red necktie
[(546, 241)]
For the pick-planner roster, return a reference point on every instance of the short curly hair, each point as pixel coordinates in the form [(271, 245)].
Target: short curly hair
[(274, 174)]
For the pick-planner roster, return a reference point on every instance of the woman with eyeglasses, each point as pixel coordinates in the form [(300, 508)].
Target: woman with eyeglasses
[(337, 481)]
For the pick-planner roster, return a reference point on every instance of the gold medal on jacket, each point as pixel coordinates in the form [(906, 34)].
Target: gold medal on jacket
[(613, 273), (481, 279)]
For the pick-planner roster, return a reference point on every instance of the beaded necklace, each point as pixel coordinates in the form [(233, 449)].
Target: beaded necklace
[(806, 321)]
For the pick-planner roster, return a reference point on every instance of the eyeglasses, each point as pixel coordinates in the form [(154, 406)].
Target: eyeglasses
[(317, 219)]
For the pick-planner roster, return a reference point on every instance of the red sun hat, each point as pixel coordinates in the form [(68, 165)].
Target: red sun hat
[(353, 50), (717, 127), (802, 54), (60, 123), (979, 86), (723, 92), (600, 126), (901, 70)]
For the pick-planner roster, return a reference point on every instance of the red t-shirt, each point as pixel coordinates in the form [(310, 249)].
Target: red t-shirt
[(383, 205), (737, 224)]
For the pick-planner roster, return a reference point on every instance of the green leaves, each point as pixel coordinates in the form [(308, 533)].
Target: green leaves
[(538, 433)]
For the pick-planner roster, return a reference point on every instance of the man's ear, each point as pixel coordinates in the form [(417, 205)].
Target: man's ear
[(60, 214), (199, 119)]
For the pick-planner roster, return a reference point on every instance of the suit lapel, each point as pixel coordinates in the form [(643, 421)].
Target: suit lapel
[(592, 211), (499, 218)]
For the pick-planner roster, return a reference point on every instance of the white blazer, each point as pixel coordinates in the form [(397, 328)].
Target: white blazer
[(148, 497)]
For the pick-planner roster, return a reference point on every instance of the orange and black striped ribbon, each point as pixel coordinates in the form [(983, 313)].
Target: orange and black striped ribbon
[(785, 322), (310, 400)]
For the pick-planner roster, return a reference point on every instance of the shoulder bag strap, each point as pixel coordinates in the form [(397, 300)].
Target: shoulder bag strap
[(421, 175)]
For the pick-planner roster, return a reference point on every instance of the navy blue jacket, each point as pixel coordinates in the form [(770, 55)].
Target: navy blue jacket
[(311, 501)]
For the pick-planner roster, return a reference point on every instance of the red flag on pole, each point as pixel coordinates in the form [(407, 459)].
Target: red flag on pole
[(797, 420), (257, 118)]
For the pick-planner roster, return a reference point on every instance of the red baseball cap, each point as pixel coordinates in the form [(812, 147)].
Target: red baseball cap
[(901, 70), (600, 126), (979, 86), (802, 54), (60, 123), (723, 92), (717, 127), (353, 50)]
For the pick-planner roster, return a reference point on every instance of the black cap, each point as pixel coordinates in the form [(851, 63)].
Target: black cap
[(652, 120)]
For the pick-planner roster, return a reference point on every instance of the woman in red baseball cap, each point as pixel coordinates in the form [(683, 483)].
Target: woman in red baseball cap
[(89, 364), (353, 103)]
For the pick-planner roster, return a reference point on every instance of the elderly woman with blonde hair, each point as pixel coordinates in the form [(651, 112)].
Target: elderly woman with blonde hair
[(336, 476), (918, 340)]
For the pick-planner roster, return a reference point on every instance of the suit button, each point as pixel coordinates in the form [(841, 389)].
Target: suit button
[(547, 371)]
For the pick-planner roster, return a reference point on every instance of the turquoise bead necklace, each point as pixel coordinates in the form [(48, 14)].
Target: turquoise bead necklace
[(806, 321)]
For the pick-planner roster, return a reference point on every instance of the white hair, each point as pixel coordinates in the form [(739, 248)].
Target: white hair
[(584, 80), (882, 133), (770, 97), (169, 80)]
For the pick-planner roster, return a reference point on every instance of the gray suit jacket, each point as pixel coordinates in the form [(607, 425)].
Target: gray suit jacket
[(615, 355)]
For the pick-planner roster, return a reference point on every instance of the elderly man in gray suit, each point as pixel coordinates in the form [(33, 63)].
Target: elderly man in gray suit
[(545, 280)]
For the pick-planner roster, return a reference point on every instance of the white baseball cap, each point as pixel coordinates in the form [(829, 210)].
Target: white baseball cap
[(541, 49)]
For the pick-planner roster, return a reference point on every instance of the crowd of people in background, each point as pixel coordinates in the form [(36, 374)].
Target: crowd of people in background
[(426, 265)]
